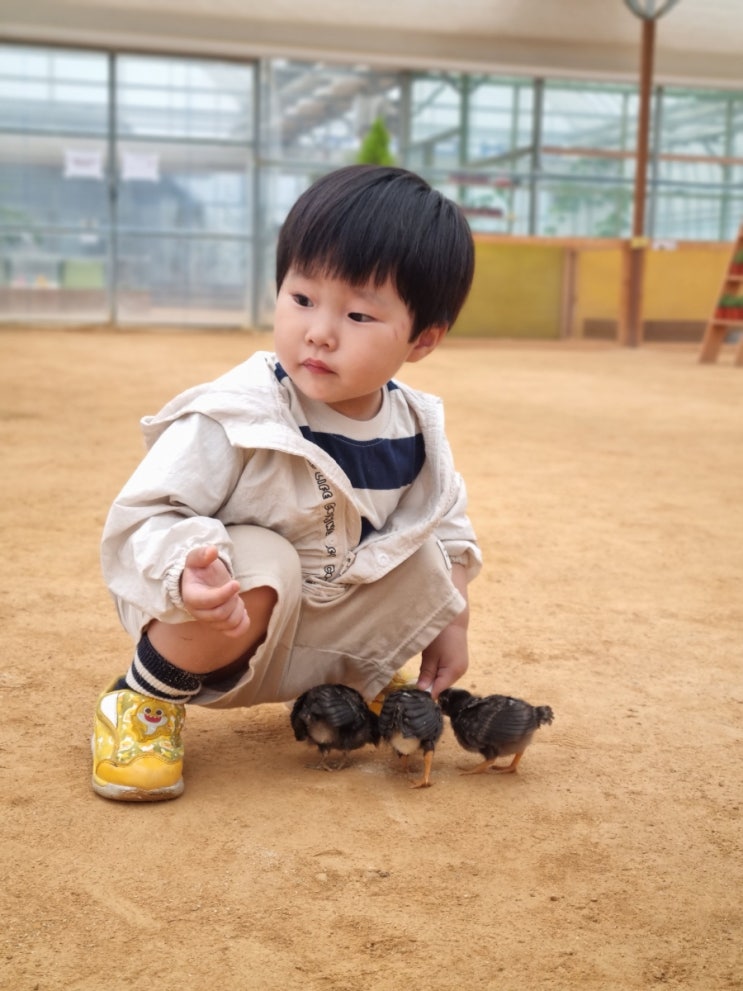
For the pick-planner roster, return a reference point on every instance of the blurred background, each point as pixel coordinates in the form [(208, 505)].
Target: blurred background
[(148, 154)]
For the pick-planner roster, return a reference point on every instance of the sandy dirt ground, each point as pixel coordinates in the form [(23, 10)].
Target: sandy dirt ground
[(607, 489)]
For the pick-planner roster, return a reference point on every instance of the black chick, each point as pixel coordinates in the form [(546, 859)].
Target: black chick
[(334, 717), (410, 720), (493, 725)]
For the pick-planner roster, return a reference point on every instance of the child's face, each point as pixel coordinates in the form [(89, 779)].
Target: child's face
[(340, 344)]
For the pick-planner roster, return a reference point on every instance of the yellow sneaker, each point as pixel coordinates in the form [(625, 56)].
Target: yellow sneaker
[(137, 747), (400, 679)]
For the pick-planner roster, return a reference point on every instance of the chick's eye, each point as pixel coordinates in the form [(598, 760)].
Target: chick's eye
[(360, 317)]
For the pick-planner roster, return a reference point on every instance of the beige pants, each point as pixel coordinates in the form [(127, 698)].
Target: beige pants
[(358, 635)]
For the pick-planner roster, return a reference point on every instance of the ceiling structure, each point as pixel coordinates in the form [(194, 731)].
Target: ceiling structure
[(697, 41)]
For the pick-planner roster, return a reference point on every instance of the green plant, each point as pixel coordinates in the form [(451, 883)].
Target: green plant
[(730, 307), (375, 148)]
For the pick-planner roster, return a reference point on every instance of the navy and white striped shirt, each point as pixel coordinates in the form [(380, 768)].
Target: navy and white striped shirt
[(381, 457)]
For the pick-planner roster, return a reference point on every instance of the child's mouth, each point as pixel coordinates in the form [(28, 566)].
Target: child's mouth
[(316, 367)]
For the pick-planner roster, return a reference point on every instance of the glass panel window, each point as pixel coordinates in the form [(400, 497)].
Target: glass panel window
[(686, 213), (183, 187), (54, 91), (500, 121), (186, 280), (184, 98), (700, 140), (436, 121), (471, 136), (589, 115), (735, 126), (586, 160), (184, 171), (694, 123), (318, 113), (54, 193), (139, 186), (576, 207)]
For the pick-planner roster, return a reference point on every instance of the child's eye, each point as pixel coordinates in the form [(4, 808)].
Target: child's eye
[(360, 317), (301, 300)]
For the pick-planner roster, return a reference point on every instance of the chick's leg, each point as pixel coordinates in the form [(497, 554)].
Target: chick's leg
[(479, 768), (425, 781), (323, 764), (512, 767)]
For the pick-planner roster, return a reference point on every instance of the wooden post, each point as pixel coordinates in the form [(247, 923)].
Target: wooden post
[(567, 305), (630, 326)]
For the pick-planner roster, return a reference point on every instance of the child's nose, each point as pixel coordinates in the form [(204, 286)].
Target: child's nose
[(322, 331)]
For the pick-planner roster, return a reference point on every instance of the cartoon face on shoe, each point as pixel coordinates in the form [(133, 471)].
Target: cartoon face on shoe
[(152, 719)]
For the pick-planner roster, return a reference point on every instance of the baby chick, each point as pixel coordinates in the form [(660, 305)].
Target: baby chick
[(493, 725), (334, 717), (410, 720)]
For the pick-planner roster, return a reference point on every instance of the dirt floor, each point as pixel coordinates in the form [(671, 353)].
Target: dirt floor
[(607, 489)]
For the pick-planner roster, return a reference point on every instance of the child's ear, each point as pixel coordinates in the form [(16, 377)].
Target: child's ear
[(427, 341)]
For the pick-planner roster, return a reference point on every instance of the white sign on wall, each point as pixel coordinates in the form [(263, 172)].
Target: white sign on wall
[(80, 163), (140, 166)]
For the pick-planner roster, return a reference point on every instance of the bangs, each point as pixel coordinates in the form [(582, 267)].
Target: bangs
[(356, 249), (371, 225)]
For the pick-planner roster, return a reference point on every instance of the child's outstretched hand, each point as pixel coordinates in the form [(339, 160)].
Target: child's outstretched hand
[(445, 659), (210, 595)]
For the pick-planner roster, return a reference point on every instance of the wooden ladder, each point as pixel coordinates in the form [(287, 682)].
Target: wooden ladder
[(725, 316)]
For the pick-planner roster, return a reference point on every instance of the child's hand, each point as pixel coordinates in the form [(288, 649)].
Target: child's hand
[(446, 658), (444, 661), (210, 595)]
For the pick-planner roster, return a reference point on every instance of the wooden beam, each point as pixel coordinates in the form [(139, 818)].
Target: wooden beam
[(615, 153), (630, 330)]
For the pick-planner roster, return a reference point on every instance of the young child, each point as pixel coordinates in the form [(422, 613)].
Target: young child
[(299, 520)]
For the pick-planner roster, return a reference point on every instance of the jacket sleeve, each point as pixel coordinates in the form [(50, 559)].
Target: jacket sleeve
[(166, 509), (456, 533)]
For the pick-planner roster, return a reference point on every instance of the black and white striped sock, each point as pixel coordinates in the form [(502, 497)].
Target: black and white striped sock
[(151, 674)]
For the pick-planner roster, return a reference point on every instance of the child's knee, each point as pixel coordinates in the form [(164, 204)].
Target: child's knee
[(264, 560), (259, 604)]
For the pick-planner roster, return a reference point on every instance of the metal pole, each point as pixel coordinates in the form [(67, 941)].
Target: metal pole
[(406, 116), (113, 196), (536, 156), (257, 232)]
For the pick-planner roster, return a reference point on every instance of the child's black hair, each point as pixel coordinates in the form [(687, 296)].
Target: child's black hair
[(369, 223)]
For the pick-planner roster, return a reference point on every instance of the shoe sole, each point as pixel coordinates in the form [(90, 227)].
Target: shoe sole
[(125, 793)]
